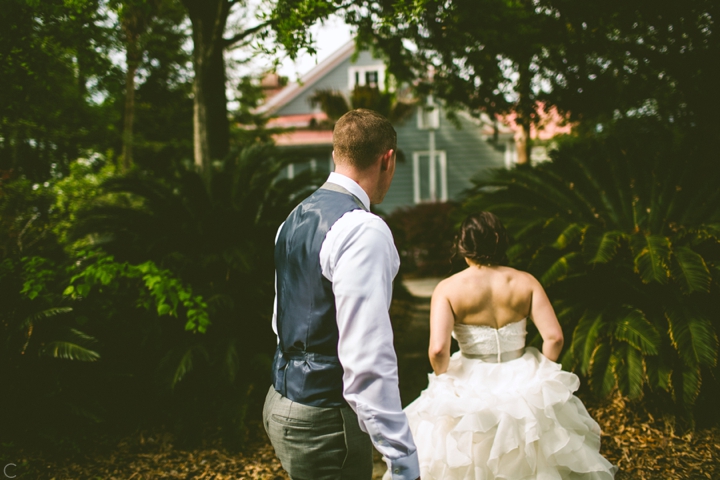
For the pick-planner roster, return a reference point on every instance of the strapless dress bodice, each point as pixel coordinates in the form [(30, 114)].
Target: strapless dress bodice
[(486, 340)]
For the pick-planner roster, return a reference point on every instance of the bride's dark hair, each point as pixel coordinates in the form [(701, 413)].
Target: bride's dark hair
[(482, 239)]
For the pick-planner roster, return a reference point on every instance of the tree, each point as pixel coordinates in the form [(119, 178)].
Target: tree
[(163, 125), (335, 105), (135, 17), (53, 59), (593, 61), (211, 129), (623, 229)]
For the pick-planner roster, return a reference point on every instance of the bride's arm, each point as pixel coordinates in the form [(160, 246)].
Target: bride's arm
[(441, 325), (543, 315)]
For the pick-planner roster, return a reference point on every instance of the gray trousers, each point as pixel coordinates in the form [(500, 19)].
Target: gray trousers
[(315, 443)]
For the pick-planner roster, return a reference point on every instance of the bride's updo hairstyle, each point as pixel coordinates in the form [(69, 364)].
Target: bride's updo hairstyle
[(483, 239)]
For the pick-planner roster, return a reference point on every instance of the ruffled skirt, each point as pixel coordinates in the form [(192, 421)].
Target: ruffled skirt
[(513, 420)]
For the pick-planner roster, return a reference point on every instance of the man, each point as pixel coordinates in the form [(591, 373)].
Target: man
[(335, 385)]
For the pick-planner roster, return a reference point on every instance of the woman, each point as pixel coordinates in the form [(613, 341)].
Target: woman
[(498, 409)]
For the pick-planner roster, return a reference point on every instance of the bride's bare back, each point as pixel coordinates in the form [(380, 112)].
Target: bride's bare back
[(492, 296)]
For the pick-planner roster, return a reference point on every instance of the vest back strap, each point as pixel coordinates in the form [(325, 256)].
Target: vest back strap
[(337, 188)]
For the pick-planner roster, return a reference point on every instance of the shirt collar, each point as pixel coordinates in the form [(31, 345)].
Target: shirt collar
[(351, 186)]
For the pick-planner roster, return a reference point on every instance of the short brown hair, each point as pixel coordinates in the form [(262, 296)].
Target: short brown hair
[(483, 239), (361, 136)]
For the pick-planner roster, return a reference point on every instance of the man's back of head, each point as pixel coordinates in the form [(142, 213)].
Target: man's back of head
[(360, 137)]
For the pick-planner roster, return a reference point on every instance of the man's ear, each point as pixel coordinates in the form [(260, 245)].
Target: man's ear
[(385, 160)]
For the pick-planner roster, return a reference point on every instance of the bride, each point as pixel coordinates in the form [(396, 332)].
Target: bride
[(498, 409)]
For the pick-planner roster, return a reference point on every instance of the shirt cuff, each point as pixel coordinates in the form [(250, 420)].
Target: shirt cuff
[(404, 468)]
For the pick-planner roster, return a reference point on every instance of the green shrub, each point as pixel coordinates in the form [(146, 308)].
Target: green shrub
[(424, 237), (623, 228)]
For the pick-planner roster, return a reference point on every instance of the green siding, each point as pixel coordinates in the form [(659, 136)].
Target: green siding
[(337, 79), (468, 154)]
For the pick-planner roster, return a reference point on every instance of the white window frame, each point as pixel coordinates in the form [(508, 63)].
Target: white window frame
[(433, 116), (361, 71), (441, 157)]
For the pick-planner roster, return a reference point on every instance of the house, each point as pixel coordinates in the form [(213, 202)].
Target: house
[(440, 159)]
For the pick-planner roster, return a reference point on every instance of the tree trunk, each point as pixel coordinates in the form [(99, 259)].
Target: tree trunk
[(132, 59), (525, 111), (211, 128)]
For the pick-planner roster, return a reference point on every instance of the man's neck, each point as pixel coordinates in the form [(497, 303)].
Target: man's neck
[(363, 178)]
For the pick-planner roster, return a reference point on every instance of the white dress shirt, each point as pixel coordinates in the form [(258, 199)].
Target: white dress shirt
[(359, 258)]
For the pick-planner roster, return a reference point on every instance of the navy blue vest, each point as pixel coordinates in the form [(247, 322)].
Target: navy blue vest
[(306, 368)]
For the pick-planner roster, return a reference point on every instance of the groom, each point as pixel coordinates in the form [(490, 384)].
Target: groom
[(335, 383)]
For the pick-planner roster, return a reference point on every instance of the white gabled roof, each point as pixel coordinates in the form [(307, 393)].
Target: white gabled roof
[(291, 92)]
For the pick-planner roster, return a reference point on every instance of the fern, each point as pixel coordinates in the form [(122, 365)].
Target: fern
[(69, 351)]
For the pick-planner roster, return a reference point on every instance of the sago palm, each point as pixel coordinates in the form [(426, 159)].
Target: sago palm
[(623, 228)]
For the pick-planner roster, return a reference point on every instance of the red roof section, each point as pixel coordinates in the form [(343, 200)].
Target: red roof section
[(297, 121), (304, 137)]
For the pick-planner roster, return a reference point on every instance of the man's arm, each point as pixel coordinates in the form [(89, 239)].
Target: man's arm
[(274, 315), (361, 261)]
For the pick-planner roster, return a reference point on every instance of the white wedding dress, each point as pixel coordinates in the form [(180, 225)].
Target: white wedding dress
[(503, 411)]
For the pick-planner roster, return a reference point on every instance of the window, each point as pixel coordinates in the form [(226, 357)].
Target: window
[(371, 76), (430, 177), (428, 117)]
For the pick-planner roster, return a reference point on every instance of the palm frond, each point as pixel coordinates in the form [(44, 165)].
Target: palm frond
[(635, 371), (232, 360), (651, 258), (43, 314), (188, 362), (634, 328), (602, 376), (595, 332), (576, 352), (568, 235), (693, 336), (659, 372), (629, 370), (690, 271), (69, 351), (686, 384), (560, 268), (599, 246)]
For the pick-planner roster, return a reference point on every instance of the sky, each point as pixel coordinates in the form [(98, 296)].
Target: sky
[(329, 37)]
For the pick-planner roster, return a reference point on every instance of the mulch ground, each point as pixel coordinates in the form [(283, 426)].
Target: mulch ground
[(649, 448), (146, 456), (644, 447)]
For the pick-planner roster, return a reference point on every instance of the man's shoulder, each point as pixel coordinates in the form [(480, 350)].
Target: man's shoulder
[(360, 221)]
